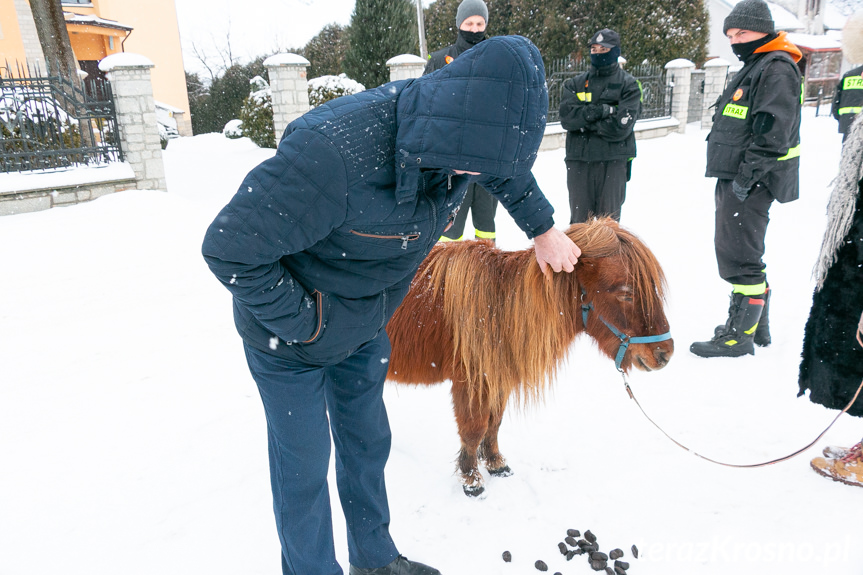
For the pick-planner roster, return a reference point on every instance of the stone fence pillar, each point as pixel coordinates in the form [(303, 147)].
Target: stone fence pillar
[(405, 67), (290, 88), (715, 74), (129, 75), (678, 78)]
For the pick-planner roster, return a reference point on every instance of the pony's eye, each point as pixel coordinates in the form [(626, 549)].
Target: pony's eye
[(624, 293)]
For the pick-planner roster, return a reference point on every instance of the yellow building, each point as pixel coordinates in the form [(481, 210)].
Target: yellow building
[(98, 28)]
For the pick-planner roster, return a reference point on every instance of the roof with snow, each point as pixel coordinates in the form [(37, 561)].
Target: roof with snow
[(815, 43), (91, 20)]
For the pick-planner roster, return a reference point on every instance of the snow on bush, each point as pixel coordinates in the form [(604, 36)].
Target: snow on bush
[(256, 114), (233, 129), (326, 88)]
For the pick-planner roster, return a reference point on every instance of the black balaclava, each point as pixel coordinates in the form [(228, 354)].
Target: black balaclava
[(745, 50), (606, 59), (472, 38)]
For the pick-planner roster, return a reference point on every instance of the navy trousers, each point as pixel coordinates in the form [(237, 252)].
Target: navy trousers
[(595, 189), (297, 400), (482, 206), (740, 231)]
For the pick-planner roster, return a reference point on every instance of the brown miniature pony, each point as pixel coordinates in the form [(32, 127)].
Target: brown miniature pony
[(490, 322)]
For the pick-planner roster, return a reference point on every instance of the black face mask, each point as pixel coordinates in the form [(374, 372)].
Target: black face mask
[(745, 50), (606, 59), (472, 38)]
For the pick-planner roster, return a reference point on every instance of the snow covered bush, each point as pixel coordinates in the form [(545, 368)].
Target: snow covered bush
[(256, 114), (326, 88), (233, 129)]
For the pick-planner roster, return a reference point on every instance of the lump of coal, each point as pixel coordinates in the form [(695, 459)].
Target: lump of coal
[(507, 556), (590, 536), (598, 565), (622, 564), (573, 532), (635, 551), (571, 541), (599, 555), (615, 554), (562, 547), (540, 565)]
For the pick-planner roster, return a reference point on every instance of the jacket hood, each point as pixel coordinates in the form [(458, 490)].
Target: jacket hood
[(781, 42), (484, 112)]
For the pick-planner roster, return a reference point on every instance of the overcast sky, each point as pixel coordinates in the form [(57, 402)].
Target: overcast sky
[(255, 27)]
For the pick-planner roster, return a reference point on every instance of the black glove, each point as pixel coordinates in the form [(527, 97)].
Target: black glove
[(739, 191), (592, 112), (607, 110)]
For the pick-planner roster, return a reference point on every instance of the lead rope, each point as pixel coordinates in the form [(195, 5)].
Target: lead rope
[(763, 464)]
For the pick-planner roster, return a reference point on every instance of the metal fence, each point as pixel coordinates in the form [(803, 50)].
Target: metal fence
[(655, 94), (46, 122)]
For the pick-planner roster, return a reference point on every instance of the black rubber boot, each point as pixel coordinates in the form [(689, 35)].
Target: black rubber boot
[(399, 566), (736, 337), (762, 332)]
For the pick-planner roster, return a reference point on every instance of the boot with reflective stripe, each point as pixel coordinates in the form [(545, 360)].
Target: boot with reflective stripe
[(736, 337), (762, 332)]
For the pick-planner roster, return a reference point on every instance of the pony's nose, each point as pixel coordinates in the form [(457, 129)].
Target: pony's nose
[(662, 356)]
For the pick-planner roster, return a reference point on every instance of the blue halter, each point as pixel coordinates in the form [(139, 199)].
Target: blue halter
[(625, 340)]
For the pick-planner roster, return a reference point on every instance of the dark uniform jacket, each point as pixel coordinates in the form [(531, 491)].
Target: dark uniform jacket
[(610, 138), (848, 100), (756, 125), (441, 58), (320, 243)]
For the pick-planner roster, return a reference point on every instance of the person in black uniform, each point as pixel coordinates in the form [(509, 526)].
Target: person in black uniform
[(848, 100), (754, 151), (599, 109), (471, 20)]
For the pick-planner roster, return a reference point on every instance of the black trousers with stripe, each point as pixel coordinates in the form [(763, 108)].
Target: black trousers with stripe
[(740, 231), (482, 206)]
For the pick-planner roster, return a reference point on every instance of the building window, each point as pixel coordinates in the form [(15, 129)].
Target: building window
[(76, 1)]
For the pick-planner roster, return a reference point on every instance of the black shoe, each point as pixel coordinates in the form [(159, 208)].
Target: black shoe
[(762, 332), (399, 566), (735, 338)]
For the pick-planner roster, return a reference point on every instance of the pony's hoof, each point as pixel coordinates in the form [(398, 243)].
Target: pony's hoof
[(504, 471), (473, 490)]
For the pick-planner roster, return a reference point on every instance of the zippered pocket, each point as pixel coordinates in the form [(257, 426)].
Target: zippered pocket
[(404, 238)]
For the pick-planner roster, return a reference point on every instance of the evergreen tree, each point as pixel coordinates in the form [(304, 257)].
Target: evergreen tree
[(379, 30), (657, 31), (326, 51), (225, 97)]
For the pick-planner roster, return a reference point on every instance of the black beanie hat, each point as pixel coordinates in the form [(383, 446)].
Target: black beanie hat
[(751, 15)]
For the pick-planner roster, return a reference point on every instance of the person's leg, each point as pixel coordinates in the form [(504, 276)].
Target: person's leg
[(581, 193), (361, 434), (482, 211), (739, 245), (299, 451), (612, 182), (456, 231)]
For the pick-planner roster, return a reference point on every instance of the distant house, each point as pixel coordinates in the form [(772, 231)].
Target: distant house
[(98, 28)]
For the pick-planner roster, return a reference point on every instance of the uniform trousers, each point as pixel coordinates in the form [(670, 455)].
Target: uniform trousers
[(740, 231), (595, 189), (297, 401), (482, 206)]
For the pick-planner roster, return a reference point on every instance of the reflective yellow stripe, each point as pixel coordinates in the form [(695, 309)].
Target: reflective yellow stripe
[(484, 235), (731, 342), (735, 111), (853, 83), (850, 110), (792, 153), (749, 290), (584, 96), (446, 239), (752, 330)]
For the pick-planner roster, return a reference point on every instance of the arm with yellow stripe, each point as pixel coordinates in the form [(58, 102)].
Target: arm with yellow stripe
[(573, 101), (775, 114)]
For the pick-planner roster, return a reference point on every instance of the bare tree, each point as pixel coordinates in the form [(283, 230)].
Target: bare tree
[(54, 38)]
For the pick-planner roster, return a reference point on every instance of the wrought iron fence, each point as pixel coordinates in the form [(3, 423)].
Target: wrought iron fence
[(655, 95), (47, 122)]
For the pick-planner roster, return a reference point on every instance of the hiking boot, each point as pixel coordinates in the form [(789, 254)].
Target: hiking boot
[(762, 332), (399, 566), (838, 452), (735, 338), (847, 472)]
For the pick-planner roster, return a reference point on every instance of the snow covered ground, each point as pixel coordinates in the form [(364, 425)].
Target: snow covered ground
[(132, 439)]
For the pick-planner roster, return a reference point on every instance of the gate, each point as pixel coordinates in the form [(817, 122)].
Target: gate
[(46, 122)]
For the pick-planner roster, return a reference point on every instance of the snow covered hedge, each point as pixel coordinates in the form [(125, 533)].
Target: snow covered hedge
[(326, 88)]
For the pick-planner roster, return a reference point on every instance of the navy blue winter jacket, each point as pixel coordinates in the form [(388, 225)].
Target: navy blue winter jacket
[(320, 243)]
